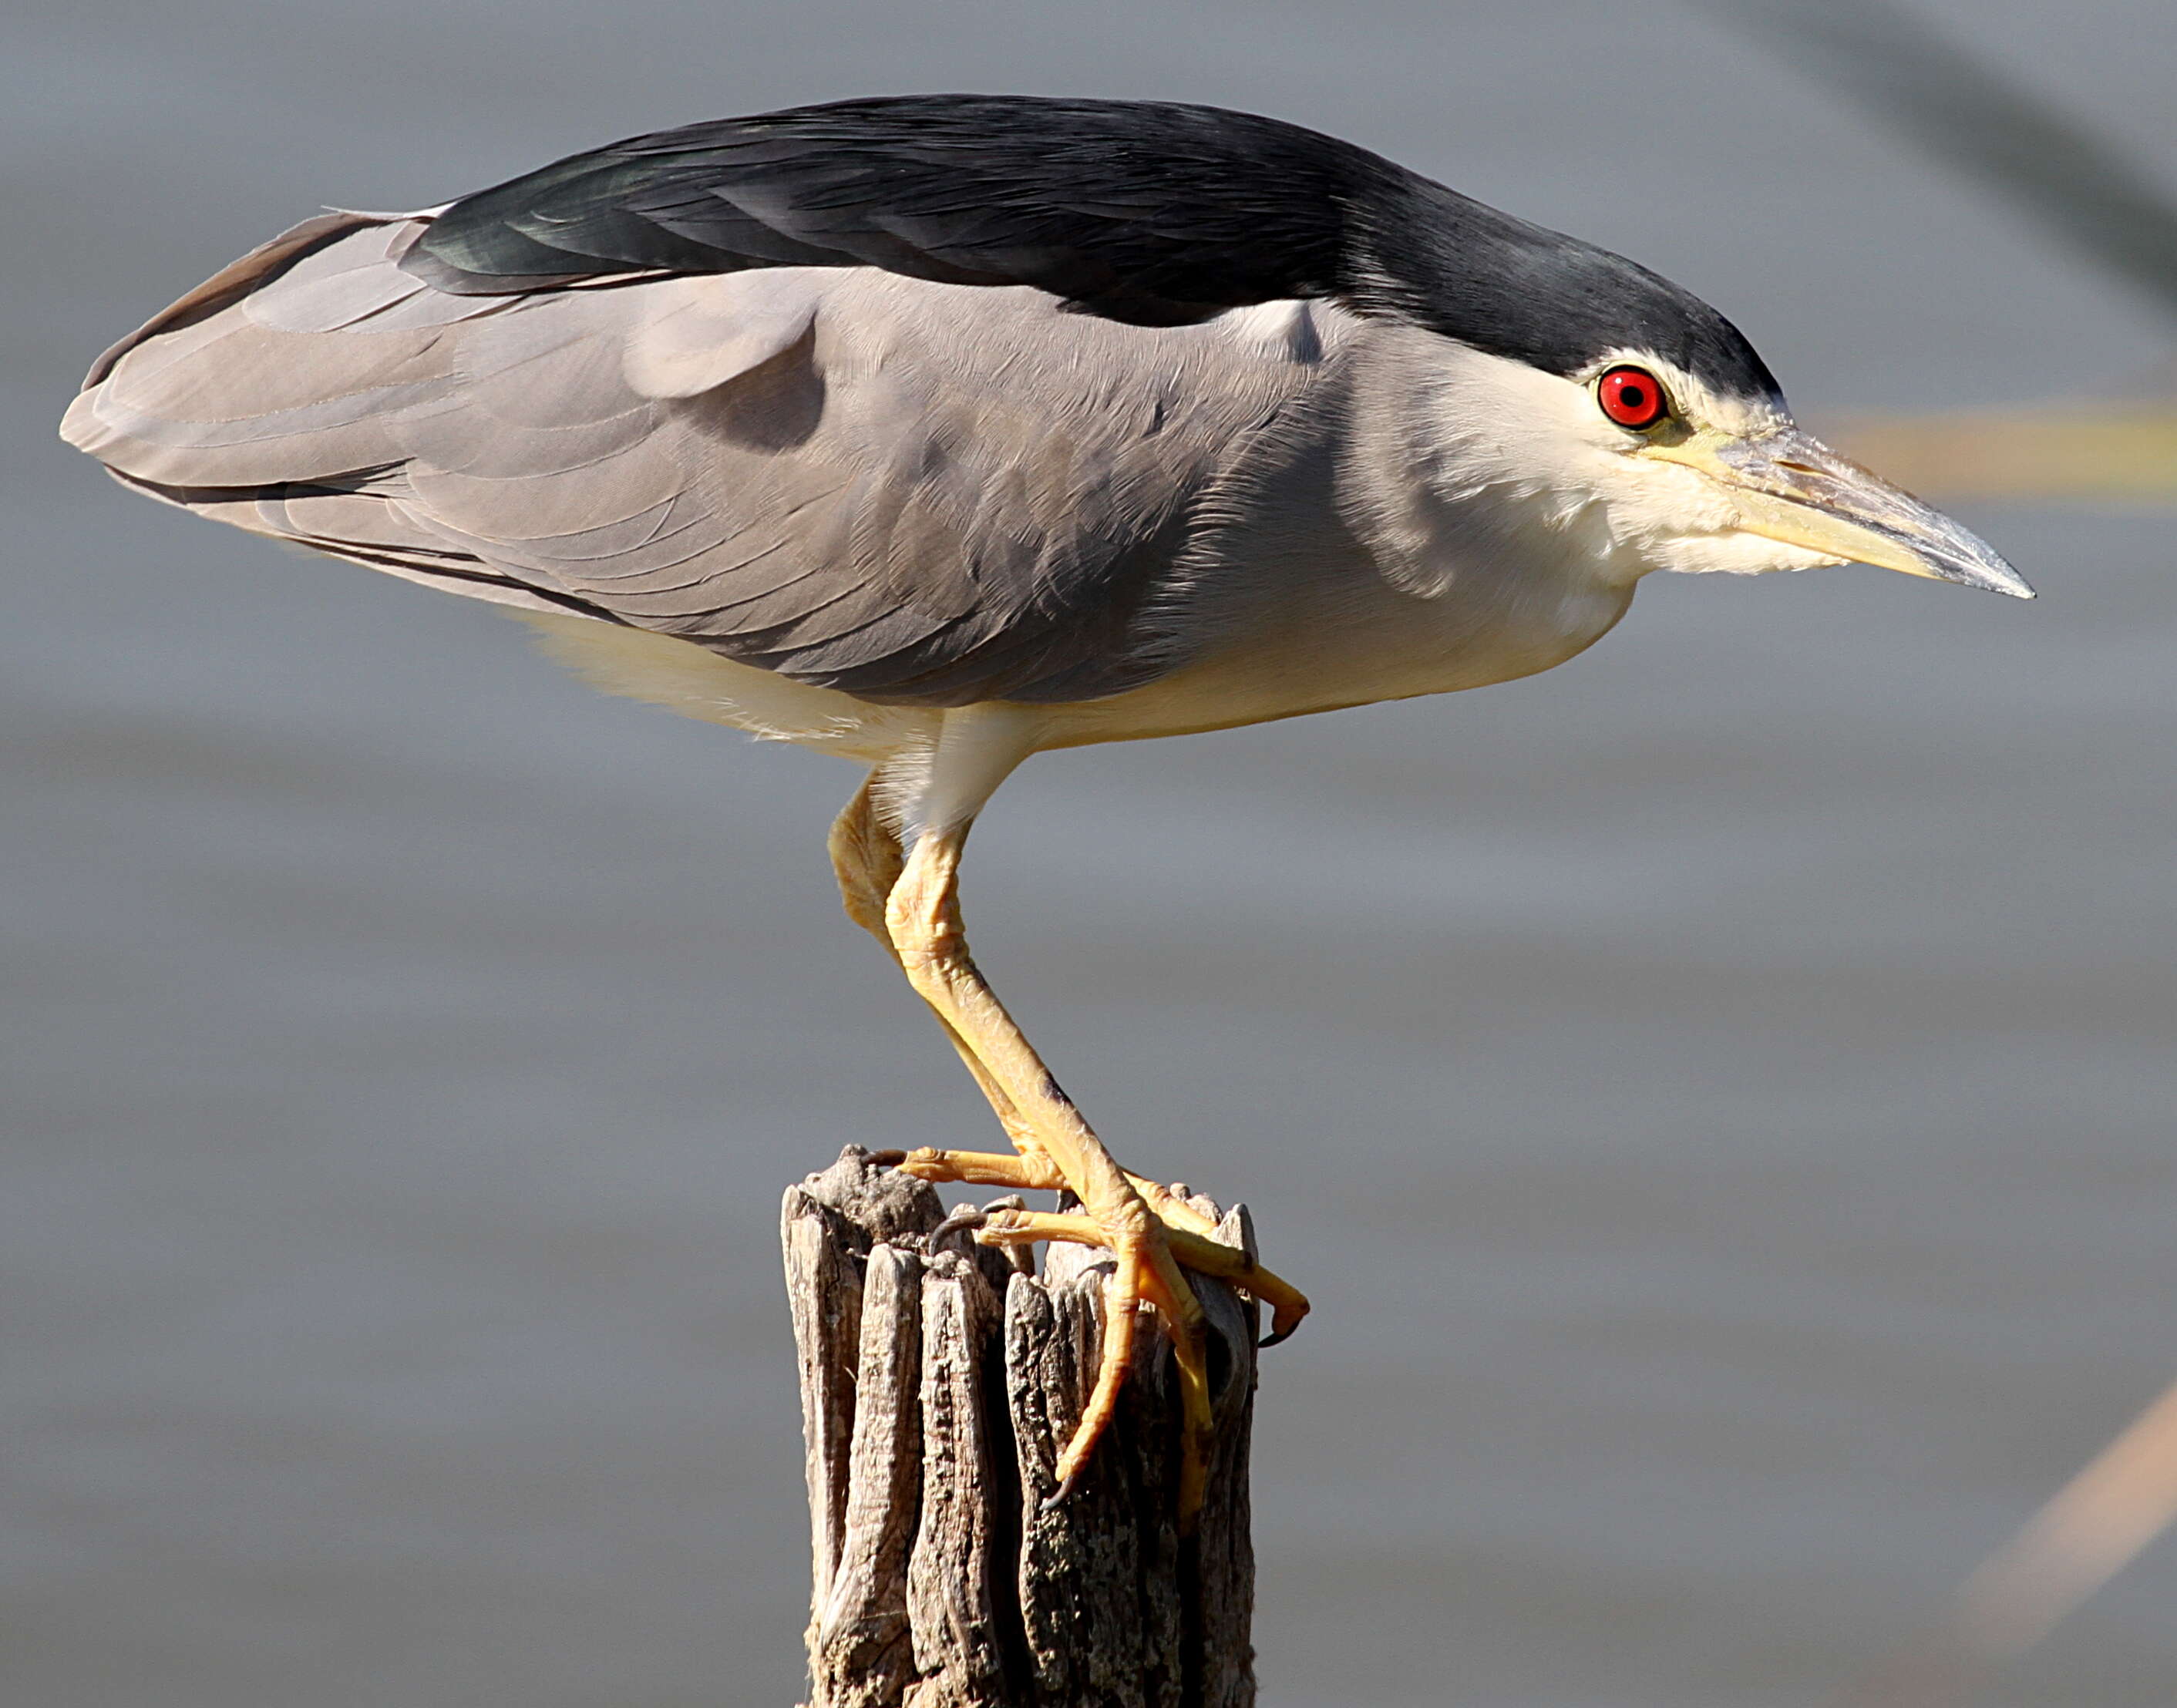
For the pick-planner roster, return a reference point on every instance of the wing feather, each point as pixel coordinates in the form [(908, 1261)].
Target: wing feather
[(910, 490)]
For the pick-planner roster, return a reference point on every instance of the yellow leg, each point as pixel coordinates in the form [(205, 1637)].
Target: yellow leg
[(922, 918), (910, 905), (867, 859)]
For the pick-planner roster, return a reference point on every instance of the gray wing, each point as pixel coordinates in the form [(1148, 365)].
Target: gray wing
[(914, 492)]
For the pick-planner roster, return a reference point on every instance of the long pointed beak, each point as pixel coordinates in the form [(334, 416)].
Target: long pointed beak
[(1789, 486)]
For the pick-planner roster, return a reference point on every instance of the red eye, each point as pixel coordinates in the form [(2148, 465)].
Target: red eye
[(1632, 397)]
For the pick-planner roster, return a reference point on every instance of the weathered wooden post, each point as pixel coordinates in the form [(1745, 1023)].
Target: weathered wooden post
[(938, 1388)]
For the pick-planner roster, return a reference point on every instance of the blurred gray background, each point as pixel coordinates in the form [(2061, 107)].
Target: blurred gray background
[(1719, 1093)]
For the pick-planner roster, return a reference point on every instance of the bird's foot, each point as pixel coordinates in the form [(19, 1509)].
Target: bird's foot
[(1186, 1228), (1153, 1235)]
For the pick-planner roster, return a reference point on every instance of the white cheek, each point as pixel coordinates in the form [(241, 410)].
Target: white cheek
[(1667, 516), (1657, 508), (1736, 555)]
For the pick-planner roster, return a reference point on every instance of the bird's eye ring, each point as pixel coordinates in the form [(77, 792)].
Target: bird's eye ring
[(1632, 397)]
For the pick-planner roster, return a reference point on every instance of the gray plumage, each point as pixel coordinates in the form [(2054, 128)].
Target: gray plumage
[(838, 474)]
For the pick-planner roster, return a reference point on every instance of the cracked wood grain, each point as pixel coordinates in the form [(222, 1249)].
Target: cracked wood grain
[(937, 1389)]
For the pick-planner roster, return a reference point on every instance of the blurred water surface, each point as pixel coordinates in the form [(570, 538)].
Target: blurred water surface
[(1719, 1093)]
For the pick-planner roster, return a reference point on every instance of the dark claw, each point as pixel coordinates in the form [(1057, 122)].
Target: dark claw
[(1062, 1493), (963, 1220), (1273, 1339), (887, 1159)]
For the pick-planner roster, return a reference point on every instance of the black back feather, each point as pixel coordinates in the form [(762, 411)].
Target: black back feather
[(1150, 213)]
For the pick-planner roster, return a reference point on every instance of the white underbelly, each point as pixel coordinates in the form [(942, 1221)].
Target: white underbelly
[(1403, 648), (696, 682), (1396, 647)]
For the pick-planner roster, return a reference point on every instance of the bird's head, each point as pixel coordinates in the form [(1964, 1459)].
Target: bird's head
[(1697, 477), (1630, 415)]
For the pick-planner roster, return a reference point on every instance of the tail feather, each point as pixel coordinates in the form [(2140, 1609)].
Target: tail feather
[(214, 405)]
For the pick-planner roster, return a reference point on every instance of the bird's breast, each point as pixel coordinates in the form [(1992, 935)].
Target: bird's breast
[(1345, 635)]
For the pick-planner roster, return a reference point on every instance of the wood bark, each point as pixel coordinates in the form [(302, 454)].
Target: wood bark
[(937, 1389)]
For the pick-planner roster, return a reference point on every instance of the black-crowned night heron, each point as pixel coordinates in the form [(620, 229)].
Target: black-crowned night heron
[(938, 431)]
